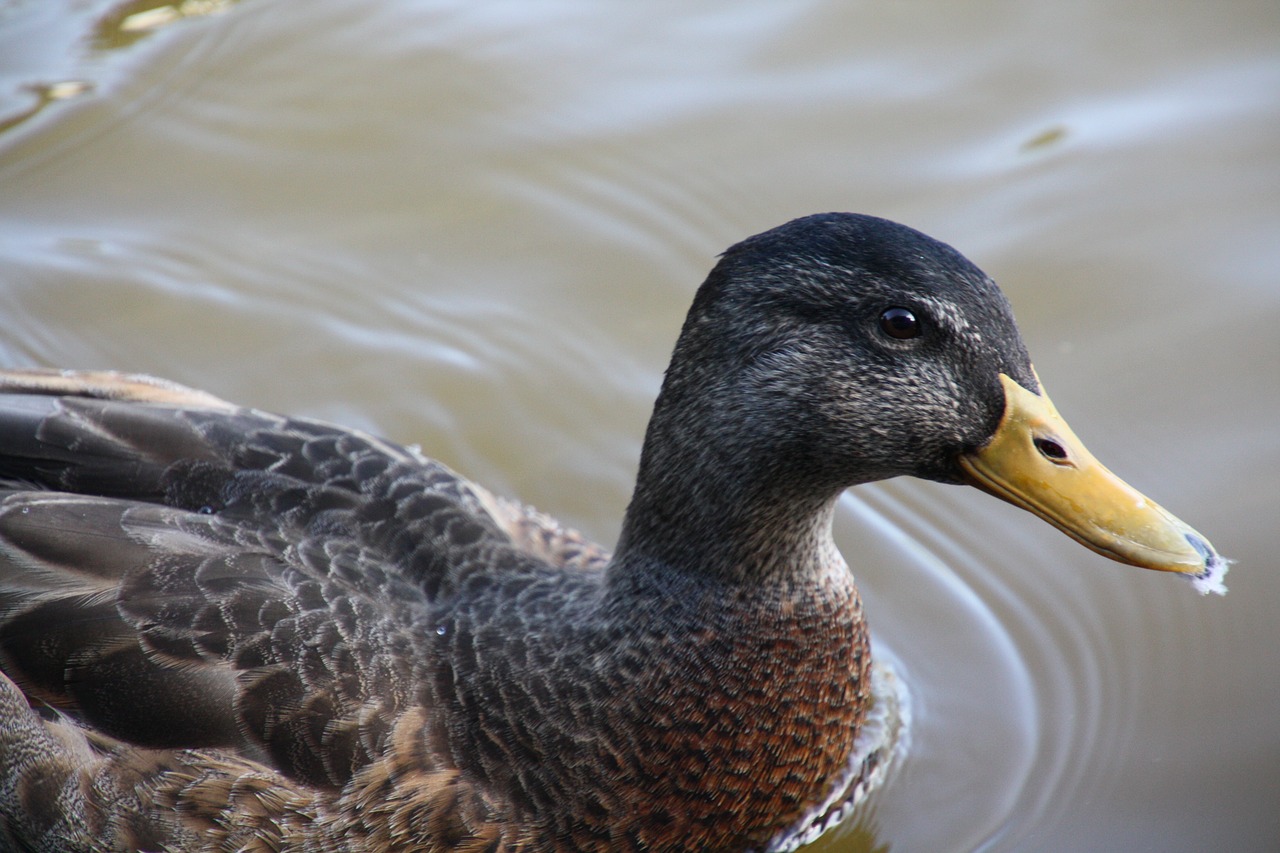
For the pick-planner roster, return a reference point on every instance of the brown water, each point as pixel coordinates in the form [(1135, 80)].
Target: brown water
[(477, 226)]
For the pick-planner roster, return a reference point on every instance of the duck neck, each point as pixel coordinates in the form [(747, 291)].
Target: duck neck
[(728, 503)]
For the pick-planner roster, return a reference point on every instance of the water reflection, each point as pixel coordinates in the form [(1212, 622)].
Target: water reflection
[(128, 23), (56, 57), (45, 94)]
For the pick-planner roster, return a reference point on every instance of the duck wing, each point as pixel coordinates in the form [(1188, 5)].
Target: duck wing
[(216, 593)]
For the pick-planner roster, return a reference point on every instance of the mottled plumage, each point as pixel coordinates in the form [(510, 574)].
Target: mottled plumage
[(229, 630)]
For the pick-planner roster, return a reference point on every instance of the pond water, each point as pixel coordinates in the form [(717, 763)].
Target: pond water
[(477, 226)]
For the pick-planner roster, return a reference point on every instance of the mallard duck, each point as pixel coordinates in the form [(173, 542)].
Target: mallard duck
[(229, 630)]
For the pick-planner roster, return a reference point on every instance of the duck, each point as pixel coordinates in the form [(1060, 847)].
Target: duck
[(228, 630)]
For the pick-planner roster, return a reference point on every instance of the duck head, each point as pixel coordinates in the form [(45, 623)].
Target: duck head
[(839, 349)]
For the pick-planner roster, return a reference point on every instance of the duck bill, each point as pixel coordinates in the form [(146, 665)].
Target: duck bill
[(1036, 462)]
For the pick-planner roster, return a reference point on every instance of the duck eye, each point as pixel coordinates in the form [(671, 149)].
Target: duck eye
[(899, 323)]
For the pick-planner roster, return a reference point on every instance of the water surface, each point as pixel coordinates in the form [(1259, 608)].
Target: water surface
[(476, 226)]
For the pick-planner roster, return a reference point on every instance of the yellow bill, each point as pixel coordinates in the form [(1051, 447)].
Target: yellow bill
[(1036, 462)]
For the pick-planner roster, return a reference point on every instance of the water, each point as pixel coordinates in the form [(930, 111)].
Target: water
[(477, 227)]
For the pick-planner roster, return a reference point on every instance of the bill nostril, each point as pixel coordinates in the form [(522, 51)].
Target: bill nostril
[(1052, 450)]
